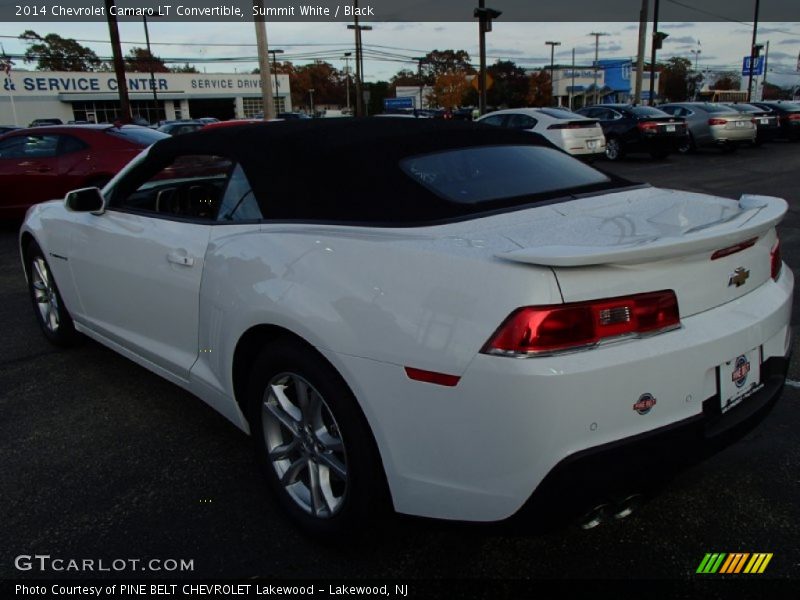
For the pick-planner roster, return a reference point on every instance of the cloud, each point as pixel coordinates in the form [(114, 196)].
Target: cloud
[(439, 29), (666, 26), (792, 41), (781, 56), (686, 39), (506, 51)]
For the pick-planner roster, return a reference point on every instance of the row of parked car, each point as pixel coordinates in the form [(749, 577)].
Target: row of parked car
[(620, 129)]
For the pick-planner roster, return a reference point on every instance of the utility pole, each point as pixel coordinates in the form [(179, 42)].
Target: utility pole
[(359, 59), (420, 60), (597, 37), (311, 94), (651, 100), (637, 94), (552, 69), (150, 63), (119, 65), (764, 76), (263, 61), (275, 73), (697, 73), (347, 56), (484, 16), (753, 54)]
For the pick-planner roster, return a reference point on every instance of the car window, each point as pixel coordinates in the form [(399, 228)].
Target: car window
[(29, 146), (613, 115), (142, 136), (518, 121), (495, 120), (485, 173), (558, 113), (671, 110), (239, 203), (190, 186), (70, 144)]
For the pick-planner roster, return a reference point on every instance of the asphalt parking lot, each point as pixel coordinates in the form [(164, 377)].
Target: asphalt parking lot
[(102, 459)]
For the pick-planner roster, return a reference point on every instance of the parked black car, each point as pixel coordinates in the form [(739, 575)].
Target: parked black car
[(788, 117), (7, 128), (629, 128), (766, 120), (45, 122), (180, 127)]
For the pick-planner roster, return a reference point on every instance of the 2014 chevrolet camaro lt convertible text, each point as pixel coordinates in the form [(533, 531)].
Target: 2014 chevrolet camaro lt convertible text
[(459, 319)]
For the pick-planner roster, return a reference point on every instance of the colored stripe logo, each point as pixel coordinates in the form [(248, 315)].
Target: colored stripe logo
[(734, 563)]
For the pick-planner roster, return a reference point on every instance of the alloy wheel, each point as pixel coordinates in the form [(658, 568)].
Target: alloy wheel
[(612, 149), (304, 445), (45, 294)]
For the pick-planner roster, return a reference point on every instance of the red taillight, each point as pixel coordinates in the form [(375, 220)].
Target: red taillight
[(792, 117), (717, 121), (775, 260), (734, 249), (553, 328), (648, 126)]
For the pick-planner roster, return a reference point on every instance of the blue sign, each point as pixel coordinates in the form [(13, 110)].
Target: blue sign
[(402, 102), (759, 69)]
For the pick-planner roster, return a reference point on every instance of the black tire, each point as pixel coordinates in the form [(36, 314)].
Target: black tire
[(350, 506), (52, 315), (614, 149), (660, 154), (688, 146)]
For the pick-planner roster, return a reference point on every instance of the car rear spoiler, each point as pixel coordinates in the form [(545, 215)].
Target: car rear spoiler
[(757, 215)]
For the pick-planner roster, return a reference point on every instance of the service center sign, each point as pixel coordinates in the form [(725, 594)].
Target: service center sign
[(44, 83)]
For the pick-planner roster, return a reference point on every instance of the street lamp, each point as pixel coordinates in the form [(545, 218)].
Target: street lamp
[(150, 64), (597, 35), (275, 72), (484, 16), (552, 66), (696, 59), (311, 94), (359, 60)]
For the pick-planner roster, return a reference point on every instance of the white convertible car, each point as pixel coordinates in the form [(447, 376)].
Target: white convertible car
[(460, 319)]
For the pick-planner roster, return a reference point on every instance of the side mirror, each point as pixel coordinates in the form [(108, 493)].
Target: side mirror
[(86, 200)]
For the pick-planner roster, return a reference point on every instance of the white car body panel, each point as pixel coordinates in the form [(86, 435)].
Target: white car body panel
[(375, 300), (588, 141)]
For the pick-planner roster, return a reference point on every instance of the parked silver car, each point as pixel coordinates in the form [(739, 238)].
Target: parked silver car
[(712, 124)]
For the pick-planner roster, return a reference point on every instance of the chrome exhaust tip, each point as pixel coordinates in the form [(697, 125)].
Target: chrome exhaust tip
[(626, 507), (595, 517)]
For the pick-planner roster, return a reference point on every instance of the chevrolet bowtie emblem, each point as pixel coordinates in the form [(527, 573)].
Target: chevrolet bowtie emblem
[(739, 277)]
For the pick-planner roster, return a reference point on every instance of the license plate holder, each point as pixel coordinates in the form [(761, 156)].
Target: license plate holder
[(591, 144), (741, 124), (739, 378), (670, 128)]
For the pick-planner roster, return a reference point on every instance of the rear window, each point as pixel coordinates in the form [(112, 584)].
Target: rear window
[(482, 174), (558, 113), (141, 136), (716, 108), (648, 111)]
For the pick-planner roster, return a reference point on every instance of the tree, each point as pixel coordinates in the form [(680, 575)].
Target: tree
[(378, 91), (510, 86), (727, 81), (676, 83), (54, 53), (186, 68), (404, 77), (540, 91), (140, 60), (449, 89), (327, 82), (441, 62)]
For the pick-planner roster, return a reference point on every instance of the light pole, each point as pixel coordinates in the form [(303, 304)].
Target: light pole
[(754, 52), (311, 94), (263, 61), (484, 16), (119, 64), (597, 36), (552, 66), (275, 73), (347, 56)]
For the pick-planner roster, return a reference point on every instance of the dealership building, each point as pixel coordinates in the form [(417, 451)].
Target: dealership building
[(93, 97)]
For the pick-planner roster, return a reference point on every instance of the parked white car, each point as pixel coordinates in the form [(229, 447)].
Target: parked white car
[(573, 133), (474, 325)]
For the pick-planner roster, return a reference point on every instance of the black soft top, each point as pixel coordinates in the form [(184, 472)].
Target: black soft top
[(344, 169)]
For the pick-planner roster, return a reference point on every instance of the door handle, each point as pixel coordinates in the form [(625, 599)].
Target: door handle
[(180, 259)]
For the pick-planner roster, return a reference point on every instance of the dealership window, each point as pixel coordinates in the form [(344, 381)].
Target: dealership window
[(108, 111), (254, 106)]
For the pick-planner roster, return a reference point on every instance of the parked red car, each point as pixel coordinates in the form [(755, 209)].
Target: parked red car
[(44, 163)]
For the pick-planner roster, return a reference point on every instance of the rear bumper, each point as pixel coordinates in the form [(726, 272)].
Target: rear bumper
[(732, 136), (604, 474)]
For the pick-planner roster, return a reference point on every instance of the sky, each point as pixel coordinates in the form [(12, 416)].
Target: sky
[(392, 46)]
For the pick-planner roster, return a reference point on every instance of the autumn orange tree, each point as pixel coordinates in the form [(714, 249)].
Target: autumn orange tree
[(448, 89), (540, 92)]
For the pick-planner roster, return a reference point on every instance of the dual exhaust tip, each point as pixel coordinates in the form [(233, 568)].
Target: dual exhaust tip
[(612, 511)]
